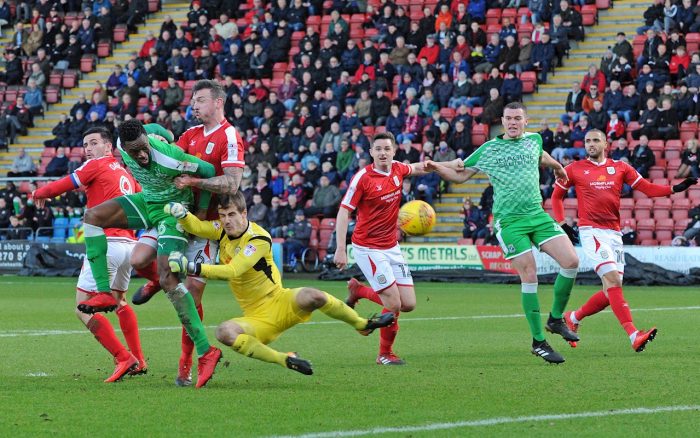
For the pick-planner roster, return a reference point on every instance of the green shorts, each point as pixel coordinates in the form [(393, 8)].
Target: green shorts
[(517, 234), (141, 214)]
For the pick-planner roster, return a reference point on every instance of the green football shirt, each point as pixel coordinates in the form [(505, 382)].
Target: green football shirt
[(513, 166), (167, 162)]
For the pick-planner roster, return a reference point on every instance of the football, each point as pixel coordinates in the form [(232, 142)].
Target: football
[(416, 218)]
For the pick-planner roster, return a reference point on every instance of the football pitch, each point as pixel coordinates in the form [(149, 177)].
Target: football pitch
[(469, 371)]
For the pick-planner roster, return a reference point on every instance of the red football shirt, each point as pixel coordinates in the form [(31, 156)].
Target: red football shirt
[(377, 197), (598, 188), (222, 147), (104, 179)]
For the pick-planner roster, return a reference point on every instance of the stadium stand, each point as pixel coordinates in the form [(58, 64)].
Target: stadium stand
[(301, 65)]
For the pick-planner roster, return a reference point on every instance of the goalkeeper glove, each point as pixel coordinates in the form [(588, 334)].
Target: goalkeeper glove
[(175, 209), (178, 263), (570, 233), (685, 184)]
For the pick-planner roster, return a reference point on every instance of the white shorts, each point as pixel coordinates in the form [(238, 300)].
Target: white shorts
[(382, 267), (604, 248), (199, 250), (118, 266)]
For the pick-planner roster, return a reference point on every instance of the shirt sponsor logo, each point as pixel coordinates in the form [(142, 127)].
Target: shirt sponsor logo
[(249, 250)]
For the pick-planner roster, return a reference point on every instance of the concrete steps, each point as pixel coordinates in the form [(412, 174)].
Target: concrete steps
[(121, 54)]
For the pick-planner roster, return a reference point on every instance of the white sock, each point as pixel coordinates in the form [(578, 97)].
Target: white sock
[(572, 315)]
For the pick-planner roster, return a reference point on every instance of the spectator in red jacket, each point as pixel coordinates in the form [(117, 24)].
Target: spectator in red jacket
[(430, 51), (594, 76)]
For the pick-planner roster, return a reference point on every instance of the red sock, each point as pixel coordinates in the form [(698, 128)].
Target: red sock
[(621, 309), (130, 327), (187, 344), (150, 272), (104, 333), (387, 335), (368, 293), (597, 302)]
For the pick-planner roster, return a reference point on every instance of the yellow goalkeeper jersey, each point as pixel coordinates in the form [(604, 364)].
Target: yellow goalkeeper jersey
[(246, 262)]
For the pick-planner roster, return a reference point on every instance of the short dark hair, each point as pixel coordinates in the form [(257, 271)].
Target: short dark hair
[(385, 136), (236, 200), (516, 106), (130, 130), (598, 131), (216, 90), (104, 133)]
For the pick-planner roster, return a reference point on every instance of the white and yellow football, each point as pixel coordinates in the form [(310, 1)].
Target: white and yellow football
[(416, 218)]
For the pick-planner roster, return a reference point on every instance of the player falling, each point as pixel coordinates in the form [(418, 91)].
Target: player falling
[(154, 164), (375, 192), (104, 178), (218, 143), (269, 309), (598, 182)]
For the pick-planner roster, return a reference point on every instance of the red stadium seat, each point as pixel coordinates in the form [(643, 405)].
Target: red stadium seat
[(104, 48), (692, 41), (52, 94), (87, 63), (680, 225), (649, 242), (642, 208), (529, 80), (664, 229), (688, 131), (120, 33), (465, 241), (153, 5), (70, 79), (328, 224), (493, 16), (602, 4), (589, 14), (480, 133)]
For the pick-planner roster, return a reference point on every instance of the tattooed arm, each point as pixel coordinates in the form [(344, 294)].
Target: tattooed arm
[(224, 184)]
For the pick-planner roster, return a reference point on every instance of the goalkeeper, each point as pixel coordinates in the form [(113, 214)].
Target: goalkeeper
[(268, 308), (154, 164)]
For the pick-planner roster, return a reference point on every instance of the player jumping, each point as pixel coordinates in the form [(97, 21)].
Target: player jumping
[(269, 309), (104, 178), (375, 192), (512, 163), (154, 164), (598, 182), (217, 142)]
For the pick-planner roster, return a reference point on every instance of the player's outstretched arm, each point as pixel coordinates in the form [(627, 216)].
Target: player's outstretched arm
[(239, 264), (418, 169), (191, 223), (559, 172), (341, 231), (656, 190), (453, 171), (226, 184), (53, 189)]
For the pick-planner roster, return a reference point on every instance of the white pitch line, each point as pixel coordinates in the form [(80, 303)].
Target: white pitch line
[(496, 421), (51, 332)]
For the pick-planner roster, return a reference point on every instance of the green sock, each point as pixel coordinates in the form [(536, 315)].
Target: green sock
[(187, 312), (562, 290), (96, 252), (337, 309), (251, 347), (531, 306)]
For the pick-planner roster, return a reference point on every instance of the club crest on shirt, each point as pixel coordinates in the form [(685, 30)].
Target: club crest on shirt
[(210, 147), (611, 170), (396, 180), (381, 279)]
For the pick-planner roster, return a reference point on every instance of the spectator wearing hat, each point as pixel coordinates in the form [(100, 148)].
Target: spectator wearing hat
[(298, 235)]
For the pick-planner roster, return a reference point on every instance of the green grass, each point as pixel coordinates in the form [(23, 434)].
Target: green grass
[(460, 368)]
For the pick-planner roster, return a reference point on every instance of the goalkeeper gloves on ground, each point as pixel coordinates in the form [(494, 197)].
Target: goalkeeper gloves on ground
[(175, 209), (685, 184), (178, 263)]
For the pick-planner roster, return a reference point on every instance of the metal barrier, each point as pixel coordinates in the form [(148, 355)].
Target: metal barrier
[(4, 233)]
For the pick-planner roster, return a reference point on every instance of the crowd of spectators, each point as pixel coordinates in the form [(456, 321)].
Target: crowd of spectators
[(307, 92)]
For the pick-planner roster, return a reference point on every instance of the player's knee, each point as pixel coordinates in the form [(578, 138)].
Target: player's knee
[(313, 298), (82, 317), (571, 262), (91, 217), (167, 280), (408, 307), (226, 333)]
